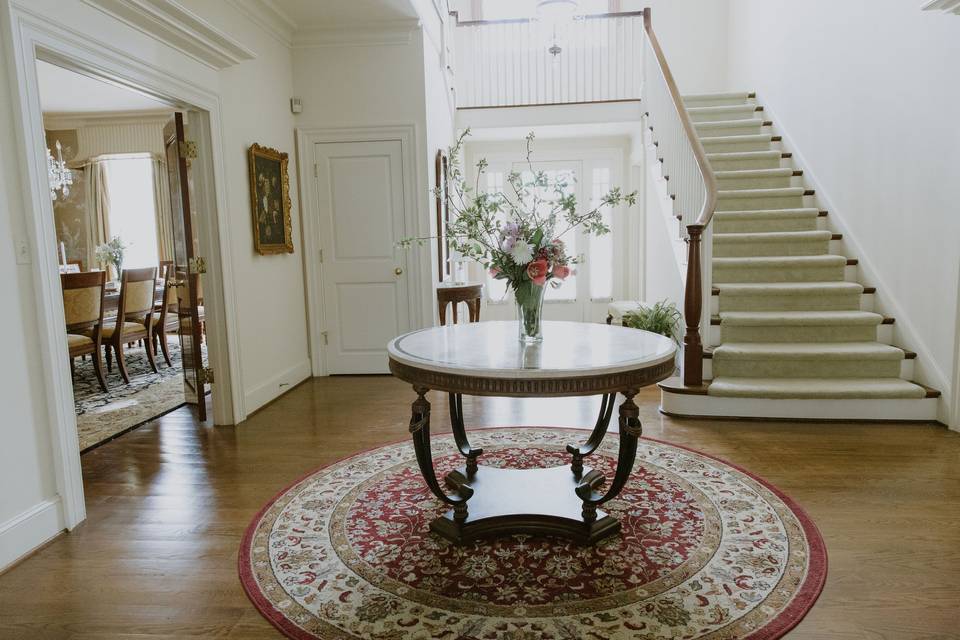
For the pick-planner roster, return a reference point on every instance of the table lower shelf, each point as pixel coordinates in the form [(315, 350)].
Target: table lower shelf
[(531, 501)]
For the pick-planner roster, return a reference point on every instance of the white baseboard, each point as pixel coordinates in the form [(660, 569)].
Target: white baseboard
[(905, 333), (276, 386), (874, 410), (23, 533)]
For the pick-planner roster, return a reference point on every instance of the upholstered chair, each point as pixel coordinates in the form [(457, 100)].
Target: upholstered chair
[(134, 318), (165, 315), (83, 311)]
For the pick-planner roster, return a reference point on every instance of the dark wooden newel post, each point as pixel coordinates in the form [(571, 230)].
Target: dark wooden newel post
[(692, 308)]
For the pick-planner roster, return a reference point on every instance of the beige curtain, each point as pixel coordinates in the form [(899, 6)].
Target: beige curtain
[(98, 209), (161, 206)]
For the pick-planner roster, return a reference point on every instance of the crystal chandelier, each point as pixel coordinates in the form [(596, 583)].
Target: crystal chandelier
[(59, 176)]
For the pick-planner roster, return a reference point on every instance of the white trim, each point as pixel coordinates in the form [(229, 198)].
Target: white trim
[(368, 34), (874, 409), (277, 385), (905, 333), (170, 23), (75, 120), (20, 535), (417, 225), (268, 17), (31, 34)]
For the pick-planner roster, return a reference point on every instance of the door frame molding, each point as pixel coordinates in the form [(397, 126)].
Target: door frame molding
[(307, 137), (35, 37)]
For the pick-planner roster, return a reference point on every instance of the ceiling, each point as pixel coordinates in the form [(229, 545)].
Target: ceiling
[(312, 13), (63, 91)]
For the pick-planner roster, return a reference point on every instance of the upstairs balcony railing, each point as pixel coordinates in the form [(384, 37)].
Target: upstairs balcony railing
[(504, 63)]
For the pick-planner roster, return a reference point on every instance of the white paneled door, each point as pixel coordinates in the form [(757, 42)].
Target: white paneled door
[(364, 274)]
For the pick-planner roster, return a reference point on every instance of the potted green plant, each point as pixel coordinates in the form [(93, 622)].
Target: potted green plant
[(662, 317)]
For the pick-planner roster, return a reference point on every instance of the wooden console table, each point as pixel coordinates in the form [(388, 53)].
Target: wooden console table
[(487, 359), (454, 294)]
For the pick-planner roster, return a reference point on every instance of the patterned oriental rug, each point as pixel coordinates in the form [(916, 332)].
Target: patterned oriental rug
[(706, 551), (101, 416)]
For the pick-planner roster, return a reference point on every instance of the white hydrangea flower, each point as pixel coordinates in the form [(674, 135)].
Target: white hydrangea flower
[(521, 252)]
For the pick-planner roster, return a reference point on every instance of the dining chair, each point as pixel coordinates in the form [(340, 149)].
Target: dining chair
[(83, 312), (165, 314), (134, 318)]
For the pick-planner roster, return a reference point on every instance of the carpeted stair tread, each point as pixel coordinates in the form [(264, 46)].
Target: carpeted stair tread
[(753, 173), (728, 127), (789, 288), (765, 220), (784, 262), (815, 388), (722, 112), (789, 296), (777, 192), (744, 155), (713, 99), (752, 137), (799, 318), (807, 351), (772, 236), (767, 214)]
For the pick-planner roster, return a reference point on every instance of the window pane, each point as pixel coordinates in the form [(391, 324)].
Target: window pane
[(601, 247), (132, 214), (496, 289), (567, 289)]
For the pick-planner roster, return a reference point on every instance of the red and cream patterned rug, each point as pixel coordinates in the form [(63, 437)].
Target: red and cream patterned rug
[(706, 551)]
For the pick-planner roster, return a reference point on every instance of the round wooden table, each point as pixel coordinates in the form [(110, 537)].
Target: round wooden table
[(487, 359)]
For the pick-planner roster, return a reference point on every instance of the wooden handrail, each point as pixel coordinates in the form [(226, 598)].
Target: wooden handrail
[(589, 16), (692, 371), (706, 171)]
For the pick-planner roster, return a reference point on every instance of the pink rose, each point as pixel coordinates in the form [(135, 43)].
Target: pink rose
[(537, 270), (494, 272), (561, 271)]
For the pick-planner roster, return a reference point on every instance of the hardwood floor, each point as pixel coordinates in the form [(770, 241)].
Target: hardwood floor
[(168, 502)]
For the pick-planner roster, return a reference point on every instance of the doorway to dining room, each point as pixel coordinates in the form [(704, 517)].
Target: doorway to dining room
[(115, 198)]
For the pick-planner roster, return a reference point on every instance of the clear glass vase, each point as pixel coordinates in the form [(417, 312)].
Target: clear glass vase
[(529, 299)]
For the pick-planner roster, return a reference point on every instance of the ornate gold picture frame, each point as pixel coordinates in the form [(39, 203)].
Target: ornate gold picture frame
[(270, 200)]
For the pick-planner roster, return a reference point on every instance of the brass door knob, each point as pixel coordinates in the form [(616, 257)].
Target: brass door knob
[(398, 271)]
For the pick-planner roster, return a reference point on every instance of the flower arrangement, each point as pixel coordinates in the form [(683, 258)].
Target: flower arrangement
[(517, 234), (111, 253)]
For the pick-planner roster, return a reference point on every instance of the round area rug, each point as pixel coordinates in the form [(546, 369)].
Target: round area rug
[(706, 550)]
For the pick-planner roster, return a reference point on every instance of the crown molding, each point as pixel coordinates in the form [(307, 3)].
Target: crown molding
[(947, 6), (171, 23), (370, 34), (76, 120), (268, 17)]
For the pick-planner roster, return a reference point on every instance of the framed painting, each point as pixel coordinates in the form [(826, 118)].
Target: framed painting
[(441, 169), (270, 200)]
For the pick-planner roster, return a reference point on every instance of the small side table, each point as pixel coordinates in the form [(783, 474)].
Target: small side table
[(454, 294)]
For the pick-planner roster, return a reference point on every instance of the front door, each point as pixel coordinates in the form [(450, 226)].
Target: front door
[(187, 275), (364, 274)]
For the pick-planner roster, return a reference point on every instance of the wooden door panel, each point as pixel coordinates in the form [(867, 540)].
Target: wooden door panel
[(174, 134), (365, 299)]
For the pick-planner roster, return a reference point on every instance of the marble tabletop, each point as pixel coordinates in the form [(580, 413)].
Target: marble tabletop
[(493, 350)]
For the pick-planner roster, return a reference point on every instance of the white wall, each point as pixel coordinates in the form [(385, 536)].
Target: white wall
[(271, 306), (866, 92), (693, 34), (370, 85), (269, 291)]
